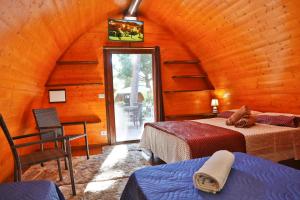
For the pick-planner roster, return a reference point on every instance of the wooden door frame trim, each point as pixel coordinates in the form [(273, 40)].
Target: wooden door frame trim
[(157, 84)]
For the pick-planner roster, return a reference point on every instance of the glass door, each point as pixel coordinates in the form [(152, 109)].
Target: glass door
[(133, 94)]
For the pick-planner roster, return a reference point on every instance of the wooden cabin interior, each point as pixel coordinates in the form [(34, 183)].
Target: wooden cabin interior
[(237, 53)]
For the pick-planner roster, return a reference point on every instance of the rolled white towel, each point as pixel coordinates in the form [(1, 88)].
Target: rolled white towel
[(211, 177)]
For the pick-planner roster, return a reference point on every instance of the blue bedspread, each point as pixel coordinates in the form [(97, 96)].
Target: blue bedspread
[(31, 190), (251, 178)]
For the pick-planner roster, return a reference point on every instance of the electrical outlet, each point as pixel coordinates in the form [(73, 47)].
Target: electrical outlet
[(101, 96), (103, 133)]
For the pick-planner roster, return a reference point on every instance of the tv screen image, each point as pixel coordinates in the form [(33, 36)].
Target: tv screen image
[(125, 30)]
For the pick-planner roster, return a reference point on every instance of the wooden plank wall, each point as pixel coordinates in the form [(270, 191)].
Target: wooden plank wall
[(250, 49), (83, 100), (33, 35)]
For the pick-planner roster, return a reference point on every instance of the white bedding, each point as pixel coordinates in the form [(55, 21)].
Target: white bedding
[(267, 141)]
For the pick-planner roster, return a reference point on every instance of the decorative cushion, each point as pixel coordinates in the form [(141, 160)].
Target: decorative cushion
[(225, 114), (297, 120), (253, 112), (277, 114), (242, 112), (278, 120), (245, 122)]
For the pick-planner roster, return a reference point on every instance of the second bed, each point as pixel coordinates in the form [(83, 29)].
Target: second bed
[(267, 141)]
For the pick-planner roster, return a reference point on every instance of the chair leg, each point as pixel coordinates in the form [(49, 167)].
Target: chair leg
[(59, 170), (87, 147), (72, 175), (86, 141), (42, 148), (19, 174), (15, 173), (64, 148), (71, 168), (66, 164)]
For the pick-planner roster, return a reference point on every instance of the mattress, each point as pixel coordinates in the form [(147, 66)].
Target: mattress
[(31, 190), (267, 141), (251, 178)]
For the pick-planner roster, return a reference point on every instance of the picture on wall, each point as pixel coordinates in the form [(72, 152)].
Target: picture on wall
[(57, 96), (125, 30)]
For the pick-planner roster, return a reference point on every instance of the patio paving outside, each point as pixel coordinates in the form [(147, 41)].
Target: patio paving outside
[(126, 130)]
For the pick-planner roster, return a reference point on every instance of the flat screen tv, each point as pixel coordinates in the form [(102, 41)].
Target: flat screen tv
[(125, 30)]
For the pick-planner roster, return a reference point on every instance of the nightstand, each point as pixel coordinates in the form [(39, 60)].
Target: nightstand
[(190, 116)]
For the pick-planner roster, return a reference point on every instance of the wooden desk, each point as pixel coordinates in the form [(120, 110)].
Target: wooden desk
[(89, 119)]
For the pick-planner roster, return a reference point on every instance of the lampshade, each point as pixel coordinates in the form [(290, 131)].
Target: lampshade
[(214, 102)]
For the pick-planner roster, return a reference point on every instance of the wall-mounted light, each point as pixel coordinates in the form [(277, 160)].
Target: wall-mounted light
[(215, 104)]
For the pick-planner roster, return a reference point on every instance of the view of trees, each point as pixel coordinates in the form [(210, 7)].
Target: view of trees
[(136, 66), (136, 69), (125, 73)]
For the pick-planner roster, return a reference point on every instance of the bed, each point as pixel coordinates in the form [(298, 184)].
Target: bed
[(267, 141), (30, 190), (250, 178)]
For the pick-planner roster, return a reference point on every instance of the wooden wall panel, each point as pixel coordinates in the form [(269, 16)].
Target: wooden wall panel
[(33, 35), (250, 49), (171, 83), (187, 103), (83, 100), (79, 73)]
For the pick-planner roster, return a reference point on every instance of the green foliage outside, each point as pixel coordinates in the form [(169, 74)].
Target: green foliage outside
[(145, 77), (125, 73)]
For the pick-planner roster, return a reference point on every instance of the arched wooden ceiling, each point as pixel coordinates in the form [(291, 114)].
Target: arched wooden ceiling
[(33, 35), (249, 48)]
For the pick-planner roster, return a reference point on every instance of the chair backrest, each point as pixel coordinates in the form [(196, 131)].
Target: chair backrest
[(47, 117), (8, 137)]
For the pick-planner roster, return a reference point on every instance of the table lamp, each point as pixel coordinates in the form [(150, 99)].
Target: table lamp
[(214, 104)]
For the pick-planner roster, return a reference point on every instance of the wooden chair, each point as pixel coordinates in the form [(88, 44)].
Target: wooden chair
[(36, 157), (47, 119)]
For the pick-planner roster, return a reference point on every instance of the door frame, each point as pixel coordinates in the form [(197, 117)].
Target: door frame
[(109, 94)]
